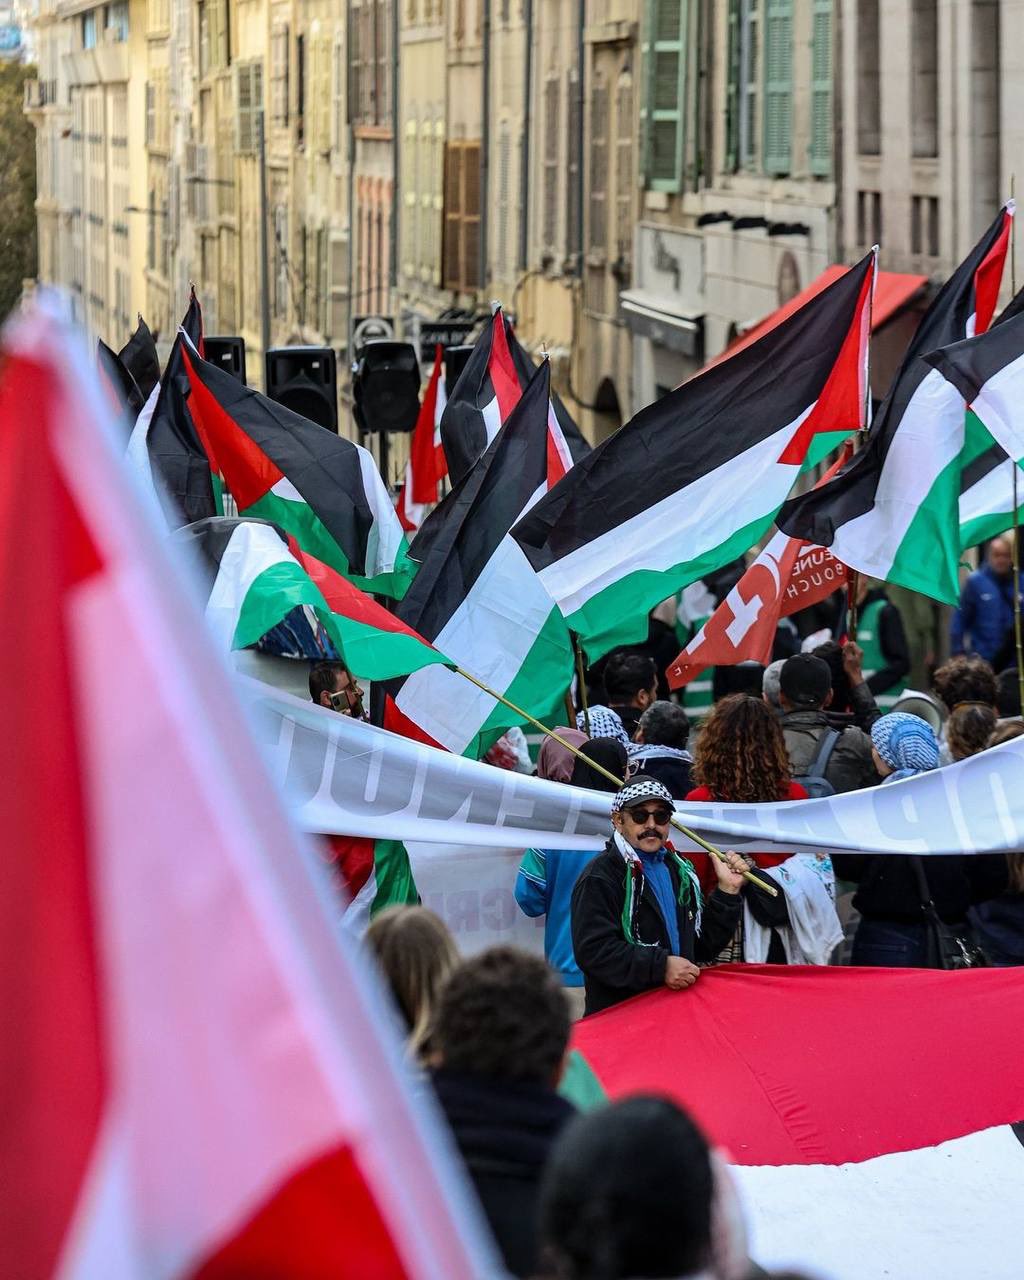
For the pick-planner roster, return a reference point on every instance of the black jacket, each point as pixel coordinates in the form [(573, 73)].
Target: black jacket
[(888, 888), (504, 1130), (615, 969)]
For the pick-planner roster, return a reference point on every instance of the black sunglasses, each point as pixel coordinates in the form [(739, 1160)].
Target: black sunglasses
[(660, 815)]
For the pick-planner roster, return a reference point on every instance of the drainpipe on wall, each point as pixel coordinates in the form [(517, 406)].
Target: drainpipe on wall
[(485, 142), (524, 141)]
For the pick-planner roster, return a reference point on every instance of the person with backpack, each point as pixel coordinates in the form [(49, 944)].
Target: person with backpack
[(740, 758), (824, 760)]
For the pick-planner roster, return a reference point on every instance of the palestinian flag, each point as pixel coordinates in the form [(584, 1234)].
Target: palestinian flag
[(866, 1113), (787, 575), (893, 512), (139, 356), (164, 446), (426, 467), (488, 389), (257, 576), (695, 479), (986, 477), (321, 489), (988, 372), (125, 397), (200, 1075), (476, 598)]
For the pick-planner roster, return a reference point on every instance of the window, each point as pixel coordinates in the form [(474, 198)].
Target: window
[(597, 183), (778, 86), (665, 95), (116, 20), (574, 229), (89, 30), (502, 243), (150, 113), (924, 108), (744, 85), (370, 64), (821, 89), (279, 86), (625, 180), (300, 88), (461, 264), (924, 226), (869, 218), (869, 106)]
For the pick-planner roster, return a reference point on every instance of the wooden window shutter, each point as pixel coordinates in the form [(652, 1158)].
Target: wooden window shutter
[(471, 217), (452, 248), (778, 86), (551, 188), (598, 178), (821, 89), (625, 179), (732, 90), (574, 232), (354, 78), (501, 256)]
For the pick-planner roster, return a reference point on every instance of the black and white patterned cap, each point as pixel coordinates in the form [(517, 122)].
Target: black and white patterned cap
[(642, 787)]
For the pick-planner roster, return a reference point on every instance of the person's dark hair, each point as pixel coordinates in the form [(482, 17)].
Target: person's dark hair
[(608, 752), (744, 677), (832, 653), (503, 1015), (665, 724), (627, 674), (416, 953), (969, 728), (628, 1192), (741, 754), (1008, 692), (324, 675), (965, 679)]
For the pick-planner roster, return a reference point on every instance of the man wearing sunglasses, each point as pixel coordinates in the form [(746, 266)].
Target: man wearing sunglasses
[(639, 919)]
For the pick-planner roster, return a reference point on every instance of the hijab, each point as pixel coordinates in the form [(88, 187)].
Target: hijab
[(608, 752), (906, 743)]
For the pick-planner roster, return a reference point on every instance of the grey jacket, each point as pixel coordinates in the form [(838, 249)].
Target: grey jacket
[(850, 765)]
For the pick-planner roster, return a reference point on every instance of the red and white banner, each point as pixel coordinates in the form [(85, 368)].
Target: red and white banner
[(199, 1075), (789, 574), (866, 1112)]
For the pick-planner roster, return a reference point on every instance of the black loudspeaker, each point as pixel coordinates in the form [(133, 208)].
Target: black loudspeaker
[(227, 353), (305, 380), (386, 387), (455, 359)]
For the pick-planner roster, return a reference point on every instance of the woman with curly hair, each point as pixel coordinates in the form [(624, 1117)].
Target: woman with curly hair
[(741, 758)]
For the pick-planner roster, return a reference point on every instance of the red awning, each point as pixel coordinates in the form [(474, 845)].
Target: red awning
[(893, 290)]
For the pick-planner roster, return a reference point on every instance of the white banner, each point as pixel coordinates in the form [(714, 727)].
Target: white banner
[(345, 777)]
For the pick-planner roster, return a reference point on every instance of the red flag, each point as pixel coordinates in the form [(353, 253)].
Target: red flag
[(194, 1065), (788, 574)]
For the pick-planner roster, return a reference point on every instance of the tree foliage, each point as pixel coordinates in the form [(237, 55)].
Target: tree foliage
[(17, 186)]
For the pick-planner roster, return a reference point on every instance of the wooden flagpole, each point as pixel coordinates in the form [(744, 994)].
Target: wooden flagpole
[(606, 773), (1015, 558), (581, 682)]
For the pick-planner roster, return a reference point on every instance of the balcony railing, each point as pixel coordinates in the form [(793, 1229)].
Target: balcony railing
[(40, 93)]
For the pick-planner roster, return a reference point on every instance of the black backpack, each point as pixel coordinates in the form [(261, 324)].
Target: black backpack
[(814, 781)]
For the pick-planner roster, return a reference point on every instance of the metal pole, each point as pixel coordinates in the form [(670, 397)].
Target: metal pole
[(524, 143), (485, 142), (264, 246), (1015, 561)]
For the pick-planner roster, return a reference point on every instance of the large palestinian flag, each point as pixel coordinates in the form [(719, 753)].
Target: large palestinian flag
[(488, 389), (427, 466), (476, 598), (165, 446), (200, 1077), (321, 489), (257, 575), (893, 512), (695, 479), (866, 1113)]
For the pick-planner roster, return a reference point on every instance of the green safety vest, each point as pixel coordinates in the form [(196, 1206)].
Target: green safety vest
[(874, 659)]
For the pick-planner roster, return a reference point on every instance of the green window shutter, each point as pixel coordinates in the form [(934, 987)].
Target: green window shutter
[(778, 86), (821, 89), (732, 90), (663, 112)]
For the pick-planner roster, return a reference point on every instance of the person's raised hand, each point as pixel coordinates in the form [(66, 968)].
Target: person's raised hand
[(853, 662), (730, 870), (680, 973)]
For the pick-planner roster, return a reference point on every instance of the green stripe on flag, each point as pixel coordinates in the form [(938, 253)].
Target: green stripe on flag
[(928, 556), (580, 1086), (301, 521), (393, 874), (374, 654), (272, 594)]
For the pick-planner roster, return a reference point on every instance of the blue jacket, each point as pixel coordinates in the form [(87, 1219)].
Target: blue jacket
[(544, 887), (985, 616)]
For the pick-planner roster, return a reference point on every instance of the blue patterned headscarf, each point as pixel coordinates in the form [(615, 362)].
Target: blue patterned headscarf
[(906, 743)]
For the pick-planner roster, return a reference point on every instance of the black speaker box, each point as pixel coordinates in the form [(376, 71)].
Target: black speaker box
[(227, 352), (305, 380), (386, 387)]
